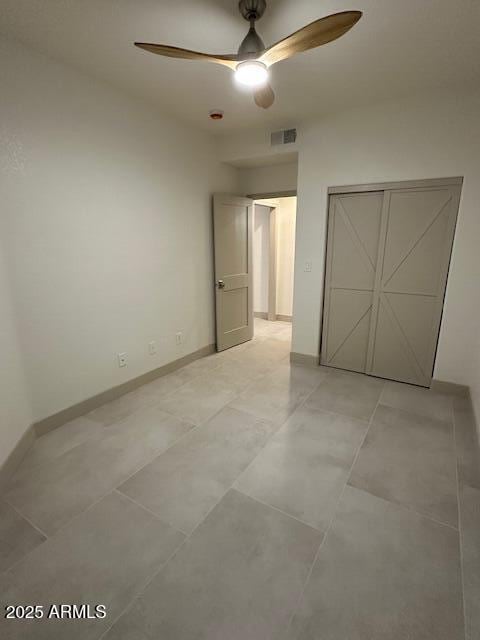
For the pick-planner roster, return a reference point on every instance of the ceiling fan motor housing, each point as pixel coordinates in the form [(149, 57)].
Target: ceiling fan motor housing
[(252, 9), (252, 44)]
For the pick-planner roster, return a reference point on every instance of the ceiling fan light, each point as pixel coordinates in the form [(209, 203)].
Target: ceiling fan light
[(251, 73)]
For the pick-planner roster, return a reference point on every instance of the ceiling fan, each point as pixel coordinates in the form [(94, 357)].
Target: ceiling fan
[(253, 59)]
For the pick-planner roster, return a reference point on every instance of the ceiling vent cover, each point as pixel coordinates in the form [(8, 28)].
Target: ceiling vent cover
[(285, 136)]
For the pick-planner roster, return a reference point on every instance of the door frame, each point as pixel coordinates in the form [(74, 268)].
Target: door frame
[(455, 181), (403, 184), (271, 195), (272, 314)]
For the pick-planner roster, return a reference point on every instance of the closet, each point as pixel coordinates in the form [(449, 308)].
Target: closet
[(387, 260)]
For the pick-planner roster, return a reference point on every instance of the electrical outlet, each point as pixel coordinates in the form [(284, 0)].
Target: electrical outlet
[(179, 338), (152, 348), (308, 266), (122, 359)]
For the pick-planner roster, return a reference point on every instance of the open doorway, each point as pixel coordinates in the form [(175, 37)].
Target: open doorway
[(274, 222)]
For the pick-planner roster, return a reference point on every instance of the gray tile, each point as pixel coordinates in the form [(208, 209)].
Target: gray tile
[(199, 399), (244, 346), (17, 536), (257, 363), (262, 353), (383, 573), (351, 394), (466, 440), (304, 467), (154, 391), (239, 577), (119, 409), (278, 394), (202, 366), (281, 334), (409, 459), (59, 441), (184, 483), (236, 374), (470, 536), (270, 349), (106, 556), (50, 495), (164, 385), (425, 402), (272, 329), (285, 336)]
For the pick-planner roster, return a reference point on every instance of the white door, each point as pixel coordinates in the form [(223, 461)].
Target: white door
[(233, 233), (388, 254)]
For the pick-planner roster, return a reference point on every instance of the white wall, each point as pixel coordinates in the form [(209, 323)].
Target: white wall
[(260, 258), (268, 179), (252, 146), (107, 215), (15, 416), (285, 232)]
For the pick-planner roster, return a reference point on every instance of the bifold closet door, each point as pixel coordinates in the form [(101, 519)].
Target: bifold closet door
[(354, 223), (388, 254)]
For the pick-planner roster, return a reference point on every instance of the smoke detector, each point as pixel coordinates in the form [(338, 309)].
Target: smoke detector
[(216, 114)]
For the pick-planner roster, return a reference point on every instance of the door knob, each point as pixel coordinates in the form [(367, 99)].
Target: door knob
[(221, 284)]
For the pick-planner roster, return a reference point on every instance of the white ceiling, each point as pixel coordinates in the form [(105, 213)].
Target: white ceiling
[(399, 47)]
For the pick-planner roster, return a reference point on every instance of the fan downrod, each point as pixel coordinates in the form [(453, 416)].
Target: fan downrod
[(252, 10)]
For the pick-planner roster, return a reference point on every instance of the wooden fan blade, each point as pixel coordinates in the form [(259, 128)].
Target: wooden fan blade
[(313, 35), (176, 52), (264, 96)]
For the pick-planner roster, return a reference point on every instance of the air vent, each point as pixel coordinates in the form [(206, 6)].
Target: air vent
[(285, 136)]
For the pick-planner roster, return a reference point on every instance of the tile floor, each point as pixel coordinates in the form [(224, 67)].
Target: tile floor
[(244, 498)]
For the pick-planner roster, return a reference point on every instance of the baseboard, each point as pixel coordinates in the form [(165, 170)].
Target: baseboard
[(283, 318), (66, 415), (450, 388), (305, 359), (16, 456), (260, 314)]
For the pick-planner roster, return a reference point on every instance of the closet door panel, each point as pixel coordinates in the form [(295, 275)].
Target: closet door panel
[(418, 224), (349, 328), (352, 254), (410, 286)]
